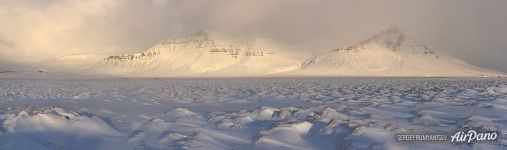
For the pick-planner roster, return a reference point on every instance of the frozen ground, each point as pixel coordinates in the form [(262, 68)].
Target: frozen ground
[(298, 113)]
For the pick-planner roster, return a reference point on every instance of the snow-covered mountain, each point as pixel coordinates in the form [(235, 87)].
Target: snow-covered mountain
[(388, 53), (5, 68), (73, 63), (9, 70), (22, 71), (202, 54)]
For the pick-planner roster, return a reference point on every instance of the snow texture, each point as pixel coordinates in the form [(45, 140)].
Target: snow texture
[(284, 113)]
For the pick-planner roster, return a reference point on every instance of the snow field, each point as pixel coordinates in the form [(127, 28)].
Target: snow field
[(285, 113)]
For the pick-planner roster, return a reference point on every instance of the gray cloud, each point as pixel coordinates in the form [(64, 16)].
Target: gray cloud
[(33, 30)]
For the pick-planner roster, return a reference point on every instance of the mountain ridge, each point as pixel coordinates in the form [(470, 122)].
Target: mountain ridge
[(202, 54)]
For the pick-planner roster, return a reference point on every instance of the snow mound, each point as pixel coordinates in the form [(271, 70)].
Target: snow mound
[(331, 114), (290, 135), (57, 129), (58, 120), (425, 120), (368, 138), (479, 122), (180, 113), (264, 113), (496, 90)]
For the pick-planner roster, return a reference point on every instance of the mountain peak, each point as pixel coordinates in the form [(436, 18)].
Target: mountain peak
[(392, 38), (197, 36), (393, 30), (391, 34), (199, 33)]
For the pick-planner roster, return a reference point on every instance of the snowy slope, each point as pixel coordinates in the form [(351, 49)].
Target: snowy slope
[(388, 53), (72, 63), (202, 54)]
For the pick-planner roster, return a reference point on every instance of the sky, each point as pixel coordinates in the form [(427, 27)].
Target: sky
[(36, 30)]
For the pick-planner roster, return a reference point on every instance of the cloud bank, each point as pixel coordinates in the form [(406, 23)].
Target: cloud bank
[(34, 30)]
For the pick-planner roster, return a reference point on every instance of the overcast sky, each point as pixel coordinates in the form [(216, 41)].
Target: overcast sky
[(34, 30)]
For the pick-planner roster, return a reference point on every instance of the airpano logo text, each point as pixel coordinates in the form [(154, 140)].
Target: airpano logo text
[(464, 136), (472, 135)]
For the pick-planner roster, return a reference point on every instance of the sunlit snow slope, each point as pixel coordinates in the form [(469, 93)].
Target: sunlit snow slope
[(75, 62), (201, 54), (388, 53)]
